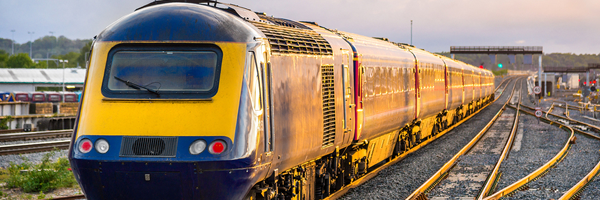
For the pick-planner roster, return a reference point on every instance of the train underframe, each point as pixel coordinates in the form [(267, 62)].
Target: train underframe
[(320, 178)]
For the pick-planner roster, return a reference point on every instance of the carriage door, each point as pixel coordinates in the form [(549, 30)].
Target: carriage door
[(349, 105), (462, 75)]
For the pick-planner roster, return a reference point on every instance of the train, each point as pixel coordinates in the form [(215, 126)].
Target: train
[(209, 100), (39, 97)]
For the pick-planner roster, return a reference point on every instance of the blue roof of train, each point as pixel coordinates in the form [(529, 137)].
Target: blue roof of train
[(179, 22)]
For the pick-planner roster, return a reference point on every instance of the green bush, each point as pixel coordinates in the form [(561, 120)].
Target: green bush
[(42, 177), (4, 122), (500, 72)]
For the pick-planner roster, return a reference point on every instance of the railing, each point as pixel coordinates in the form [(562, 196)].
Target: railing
[(497, 49)]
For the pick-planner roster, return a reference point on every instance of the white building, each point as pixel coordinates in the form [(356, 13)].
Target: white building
[(27, 80)]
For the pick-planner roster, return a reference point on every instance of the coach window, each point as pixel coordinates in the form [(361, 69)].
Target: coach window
[(390, 83), (254, 86)]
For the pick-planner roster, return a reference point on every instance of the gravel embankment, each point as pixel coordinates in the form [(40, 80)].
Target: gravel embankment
[(400, 180), (5, 160), (582, 158)]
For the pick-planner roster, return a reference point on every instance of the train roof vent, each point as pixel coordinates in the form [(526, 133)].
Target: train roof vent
[(283, 22), (148, 147), (294, 40)]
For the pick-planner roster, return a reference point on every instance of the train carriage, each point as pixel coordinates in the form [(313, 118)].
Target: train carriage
[(456, 89), (214, 101)]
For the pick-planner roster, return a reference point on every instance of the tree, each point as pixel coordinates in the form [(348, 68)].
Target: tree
[(21, 60), (3, 58), (83, 52)]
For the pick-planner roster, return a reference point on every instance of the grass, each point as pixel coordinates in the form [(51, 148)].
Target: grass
[(41, 177)]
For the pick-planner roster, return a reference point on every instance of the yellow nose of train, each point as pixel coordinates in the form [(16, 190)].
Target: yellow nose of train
[(162, 97)]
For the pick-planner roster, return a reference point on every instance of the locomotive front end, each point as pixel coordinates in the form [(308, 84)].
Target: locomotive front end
[(166, 113)]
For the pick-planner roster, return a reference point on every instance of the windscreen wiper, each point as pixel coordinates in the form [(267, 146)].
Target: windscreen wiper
[(137, 86)]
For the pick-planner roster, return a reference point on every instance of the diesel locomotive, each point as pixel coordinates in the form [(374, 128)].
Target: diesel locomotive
[(208, 100)]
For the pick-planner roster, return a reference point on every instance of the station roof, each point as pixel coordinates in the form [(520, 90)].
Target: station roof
[(42, 76)]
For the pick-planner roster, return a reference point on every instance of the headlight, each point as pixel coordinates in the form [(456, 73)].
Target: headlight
[(85, 146), (217, 147), (102, 146), (197, 147)]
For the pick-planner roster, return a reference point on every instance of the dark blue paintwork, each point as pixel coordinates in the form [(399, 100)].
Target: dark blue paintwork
[(108, 176), (168, 180), (179, 22)]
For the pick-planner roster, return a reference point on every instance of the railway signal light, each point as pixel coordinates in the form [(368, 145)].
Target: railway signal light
[(500, 65), (481, 66)]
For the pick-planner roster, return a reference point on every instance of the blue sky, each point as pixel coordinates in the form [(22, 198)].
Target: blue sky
[(557, 25)]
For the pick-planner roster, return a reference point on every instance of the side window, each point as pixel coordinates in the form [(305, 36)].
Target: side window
[(254, 86), (377, 77), (388, 84)]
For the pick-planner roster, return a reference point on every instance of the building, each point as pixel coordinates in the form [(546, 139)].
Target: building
[(29, 80)]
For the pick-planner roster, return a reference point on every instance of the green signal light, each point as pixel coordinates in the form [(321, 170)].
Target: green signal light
[(500, 65)]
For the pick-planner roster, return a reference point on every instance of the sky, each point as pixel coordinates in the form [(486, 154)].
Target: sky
[(566, 26)]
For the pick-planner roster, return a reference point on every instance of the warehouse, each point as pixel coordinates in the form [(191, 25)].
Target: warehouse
[(29, 80)]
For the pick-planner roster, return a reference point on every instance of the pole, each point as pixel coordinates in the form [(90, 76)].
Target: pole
[(31, 43), (587, 78), (411, 32), (545, 84), (540, 73), (63, 85), (13, 42)]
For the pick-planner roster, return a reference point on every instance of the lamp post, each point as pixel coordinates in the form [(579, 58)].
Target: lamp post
[(47, 54), (63, 82), (31, 42), (13, 42)]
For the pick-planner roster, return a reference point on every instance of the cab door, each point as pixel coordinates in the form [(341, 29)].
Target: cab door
[(261, 53), (349, 105)]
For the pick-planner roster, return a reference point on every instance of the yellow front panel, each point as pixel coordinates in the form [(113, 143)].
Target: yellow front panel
[(216, 117)]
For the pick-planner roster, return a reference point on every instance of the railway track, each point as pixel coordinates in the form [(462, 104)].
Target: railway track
[(35, 135), (578, 188), (370, 175), (521, 184), (11, 131), (498, 92), (34, 147), (444, 171)]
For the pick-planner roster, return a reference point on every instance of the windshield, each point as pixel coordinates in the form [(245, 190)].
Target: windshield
[(172, 73)]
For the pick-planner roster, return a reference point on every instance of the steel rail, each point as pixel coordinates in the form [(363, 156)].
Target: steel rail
[(490, 183), (576, 190), (34, 147), (538, 173), (79, 196), (569, 119), (11, 131), (373, 173), (420, 192), (35, 135)]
